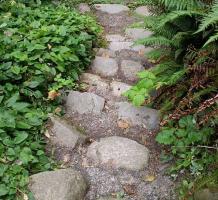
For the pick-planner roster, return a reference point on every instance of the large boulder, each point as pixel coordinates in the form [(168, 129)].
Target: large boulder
[(118, 88), (143, 11), (64, 135), (118, 152), (105, 66), (141, 116), (84, 103), (111, 8), (64, 184)]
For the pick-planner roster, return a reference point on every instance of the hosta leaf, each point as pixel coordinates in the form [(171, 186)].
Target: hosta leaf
[(3, 190)]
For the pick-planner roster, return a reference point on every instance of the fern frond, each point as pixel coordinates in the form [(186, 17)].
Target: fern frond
[(182, 4), (212, 39), (172, 16), (156, 41), (210, 19)]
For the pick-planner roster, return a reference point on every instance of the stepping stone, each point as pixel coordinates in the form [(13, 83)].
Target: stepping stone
[(118, 88), (107, 198), (119, 152), (118, 46), (138, 116), (84, 103), (106, 53), (143, 11), (84, 7), (111, 8), (137, 33), (63, 184), (115, 38), (130, 69), (64, 135), (104, 66)]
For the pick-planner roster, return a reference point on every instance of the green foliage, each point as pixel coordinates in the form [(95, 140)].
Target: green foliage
[(183, 82), (42, 50)]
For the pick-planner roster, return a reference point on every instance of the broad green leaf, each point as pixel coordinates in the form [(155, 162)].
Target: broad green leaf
[(3, 190), (21, 136), (138, 100), (146, 74), (12, 100), (166, 136)]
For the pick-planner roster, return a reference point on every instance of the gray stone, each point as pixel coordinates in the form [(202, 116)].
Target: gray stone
[(64, 184), (111, 8), (130, 69), (84, 103), (119, 152), (140, 116), (115, 38), (106, 53), (64, 135), (206, 194), (143, 11), (107, 198), (137, 33), (118, 46), (118, 88), (105, 66), (84, 7)]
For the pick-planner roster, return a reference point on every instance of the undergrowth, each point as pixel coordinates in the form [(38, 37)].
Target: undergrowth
[(42, 51), (183, 82)]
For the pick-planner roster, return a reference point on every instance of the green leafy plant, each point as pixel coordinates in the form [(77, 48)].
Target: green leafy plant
[(42, 50)]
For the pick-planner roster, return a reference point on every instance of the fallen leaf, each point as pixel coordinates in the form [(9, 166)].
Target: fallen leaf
[(149, 178), (53, 95), (49, 46), (25, 197), (129, 189), (123, 124), (66, 158), (57, 110), (47, 134)]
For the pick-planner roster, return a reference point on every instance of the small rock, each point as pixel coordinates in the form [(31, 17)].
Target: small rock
[(84, 7), (130, 69), (106, 53), (64, 135), (85, 103), (206, 194), (119, 152), (141, 116), (64, 184), (105, 66), (111, 8), (115, 38), (137, 33), (143, 11), (118, 88)]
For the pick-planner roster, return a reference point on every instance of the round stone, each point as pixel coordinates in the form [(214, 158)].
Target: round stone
[(105, 66), (63, 184), (143, 11), (118, 88), (111, 8), (130, 69), (119, 152)]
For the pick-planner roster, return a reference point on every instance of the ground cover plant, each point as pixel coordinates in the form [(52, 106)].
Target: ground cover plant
[(183, 82), (42, 51)]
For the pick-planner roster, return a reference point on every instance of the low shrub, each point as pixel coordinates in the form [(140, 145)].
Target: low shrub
[(42, 50)]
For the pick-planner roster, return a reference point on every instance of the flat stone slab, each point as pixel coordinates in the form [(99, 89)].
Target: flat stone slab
[(115, 38), (111, 8), (143, 11), (84, 103), (64, 135), (141, 116), (137, 33), (84, 7), (119, 152), (118, 88), (130, 69), (105, 66), (63, 184), (118, 46), (106, 53)]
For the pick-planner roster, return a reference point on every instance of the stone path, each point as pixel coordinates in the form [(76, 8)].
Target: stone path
[(105, 143)]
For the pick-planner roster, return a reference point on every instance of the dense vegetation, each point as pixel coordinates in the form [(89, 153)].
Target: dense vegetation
[(42, 50), (183, 81)]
